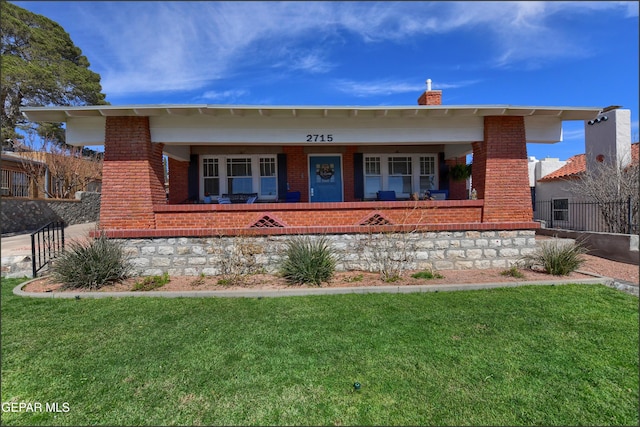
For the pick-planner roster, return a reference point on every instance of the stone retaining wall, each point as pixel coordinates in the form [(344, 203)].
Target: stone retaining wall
[(26, 215), (440, 250)]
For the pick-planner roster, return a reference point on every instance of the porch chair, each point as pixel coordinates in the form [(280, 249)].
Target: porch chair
[(292, 197), (387, 195), (439, 194)]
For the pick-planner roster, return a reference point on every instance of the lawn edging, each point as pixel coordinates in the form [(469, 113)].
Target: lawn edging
[(271, 293)]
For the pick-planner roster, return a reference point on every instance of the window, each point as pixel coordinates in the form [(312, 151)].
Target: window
[(561, 209), (19, 184), (5, 182), (239, 176), (372, 176), (427, 174), (211, 174), (404, 174), (268, 181), (400, 175)]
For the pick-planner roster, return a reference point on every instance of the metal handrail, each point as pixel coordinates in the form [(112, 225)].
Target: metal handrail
[(46, 244)]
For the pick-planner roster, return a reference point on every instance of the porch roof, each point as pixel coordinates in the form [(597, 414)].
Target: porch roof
[(180, 126), (62, 114)]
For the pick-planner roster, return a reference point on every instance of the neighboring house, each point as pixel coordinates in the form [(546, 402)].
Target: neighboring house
[(34, 174), (555, 201), (15, 179), (335, 159)]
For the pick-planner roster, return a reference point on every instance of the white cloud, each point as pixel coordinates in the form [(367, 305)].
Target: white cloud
[(144, 47), (227, 95), (376, 88), (390, 87), (573, 134)]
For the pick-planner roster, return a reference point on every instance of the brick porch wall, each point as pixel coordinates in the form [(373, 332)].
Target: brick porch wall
[(133, 179), (344, 214)]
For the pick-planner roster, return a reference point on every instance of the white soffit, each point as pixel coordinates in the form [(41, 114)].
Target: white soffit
[(185, 124)]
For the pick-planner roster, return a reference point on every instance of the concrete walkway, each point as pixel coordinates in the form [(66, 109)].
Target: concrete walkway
[(306, 291), (20, 244), (15, 250)]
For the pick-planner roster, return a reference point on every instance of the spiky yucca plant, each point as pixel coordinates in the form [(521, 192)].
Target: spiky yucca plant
[(308, 261), (91, 264), (556, 258)]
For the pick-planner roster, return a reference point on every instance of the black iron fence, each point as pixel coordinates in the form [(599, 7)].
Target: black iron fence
[(46, 244), (612, 217)]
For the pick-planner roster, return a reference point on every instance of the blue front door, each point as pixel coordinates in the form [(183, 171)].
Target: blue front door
[(325, 178)]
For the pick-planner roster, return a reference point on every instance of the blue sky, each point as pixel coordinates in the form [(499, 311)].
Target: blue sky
[(362, 53)]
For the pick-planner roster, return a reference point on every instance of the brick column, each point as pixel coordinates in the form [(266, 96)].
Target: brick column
[(500, 170), (178, 181), (132, 175)]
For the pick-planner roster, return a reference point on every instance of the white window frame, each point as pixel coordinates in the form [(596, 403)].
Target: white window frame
[(411, 174), (251, 164), (366, 175), (554, 210), (434, 175), (255, 173), (260, 177), (202, 177), (415, 171)]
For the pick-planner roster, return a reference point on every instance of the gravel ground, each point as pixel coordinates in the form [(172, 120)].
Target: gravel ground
[(613, 269)]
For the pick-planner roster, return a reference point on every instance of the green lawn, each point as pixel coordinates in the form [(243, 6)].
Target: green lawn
[(538, 355)]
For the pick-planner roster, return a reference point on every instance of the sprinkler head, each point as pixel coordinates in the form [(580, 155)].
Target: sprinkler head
[(356, 386)]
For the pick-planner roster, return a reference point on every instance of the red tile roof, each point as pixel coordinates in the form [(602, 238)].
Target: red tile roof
[(578, 164)]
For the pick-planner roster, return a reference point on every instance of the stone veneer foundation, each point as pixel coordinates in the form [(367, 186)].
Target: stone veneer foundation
[(439, 250)]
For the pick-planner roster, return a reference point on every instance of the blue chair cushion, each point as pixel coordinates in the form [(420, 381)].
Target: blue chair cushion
[(292, 196), (387, 195)]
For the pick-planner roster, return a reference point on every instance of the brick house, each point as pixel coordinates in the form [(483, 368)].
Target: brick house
[(42, 175), (15, 179), (337, 157)]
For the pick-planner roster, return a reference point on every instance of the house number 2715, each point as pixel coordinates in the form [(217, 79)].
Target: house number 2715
[(319, 138)]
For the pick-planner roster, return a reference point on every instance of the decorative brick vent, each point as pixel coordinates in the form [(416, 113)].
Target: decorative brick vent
[(376, 219), (267, 222)]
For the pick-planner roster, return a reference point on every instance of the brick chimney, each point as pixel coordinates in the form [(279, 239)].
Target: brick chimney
[(430, 97)]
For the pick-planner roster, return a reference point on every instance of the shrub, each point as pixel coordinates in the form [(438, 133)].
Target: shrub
[(308, 261), (227, 282), (426, 274), (356, 278), (513, 272), (556, 258), (237, 260), (151, 282), (91, 265), (389, 253)]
